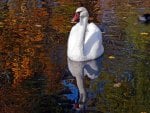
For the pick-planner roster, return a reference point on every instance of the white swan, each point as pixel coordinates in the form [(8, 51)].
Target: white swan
[(85, 39)]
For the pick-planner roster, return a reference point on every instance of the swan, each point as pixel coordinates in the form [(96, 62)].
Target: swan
[(79, 70), (145, 18), (85, 39)]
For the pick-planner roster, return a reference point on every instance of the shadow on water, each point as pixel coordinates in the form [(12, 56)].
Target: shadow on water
[(34, 77)]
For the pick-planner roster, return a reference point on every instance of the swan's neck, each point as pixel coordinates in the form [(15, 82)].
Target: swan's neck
[(80, 84), (83, 21), (83, 26)]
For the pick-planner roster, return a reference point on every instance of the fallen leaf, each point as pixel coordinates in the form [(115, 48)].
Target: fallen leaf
[(38, 25), (14, 21), (116, 85), (1, 24), (111, 57), (135, 23), (144, 33), (124, 17)]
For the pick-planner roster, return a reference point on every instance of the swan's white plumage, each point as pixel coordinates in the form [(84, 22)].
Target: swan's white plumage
[(92, 46)]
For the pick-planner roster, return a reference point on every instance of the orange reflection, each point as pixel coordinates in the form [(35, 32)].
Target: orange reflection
[(23, 26)]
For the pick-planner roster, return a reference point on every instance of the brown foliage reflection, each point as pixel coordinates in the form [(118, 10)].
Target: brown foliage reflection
[(23, 27)]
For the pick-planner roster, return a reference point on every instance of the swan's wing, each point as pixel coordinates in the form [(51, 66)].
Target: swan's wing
[(93, 41), (93, 33), (92, 27)]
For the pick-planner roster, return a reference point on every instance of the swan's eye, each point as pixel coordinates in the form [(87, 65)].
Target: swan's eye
[(79, 12)]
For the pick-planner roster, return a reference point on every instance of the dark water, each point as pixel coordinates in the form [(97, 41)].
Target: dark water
[(37, 77)]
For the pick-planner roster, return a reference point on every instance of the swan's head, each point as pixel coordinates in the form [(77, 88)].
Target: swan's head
[(81, 12), (145, 18)]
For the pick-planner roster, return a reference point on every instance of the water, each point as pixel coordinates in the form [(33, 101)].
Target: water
[(37, 77)]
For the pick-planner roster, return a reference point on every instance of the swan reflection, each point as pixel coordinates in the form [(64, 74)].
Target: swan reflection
[(79, 70)]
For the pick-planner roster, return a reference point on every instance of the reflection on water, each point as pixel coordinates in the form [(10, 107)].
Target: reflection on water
[(79, 70), (34, 77)]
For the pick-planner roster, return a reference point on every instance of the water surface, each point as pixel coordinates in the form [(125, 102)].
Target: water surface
[(37, 77)]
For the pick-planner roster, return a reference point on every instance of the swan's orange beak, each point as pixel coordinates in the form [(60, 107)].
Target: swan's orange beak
[(75, 18)]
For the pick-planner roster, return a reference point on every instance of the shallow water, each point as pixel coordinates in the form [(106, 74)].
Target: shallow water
[(37, 77)]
